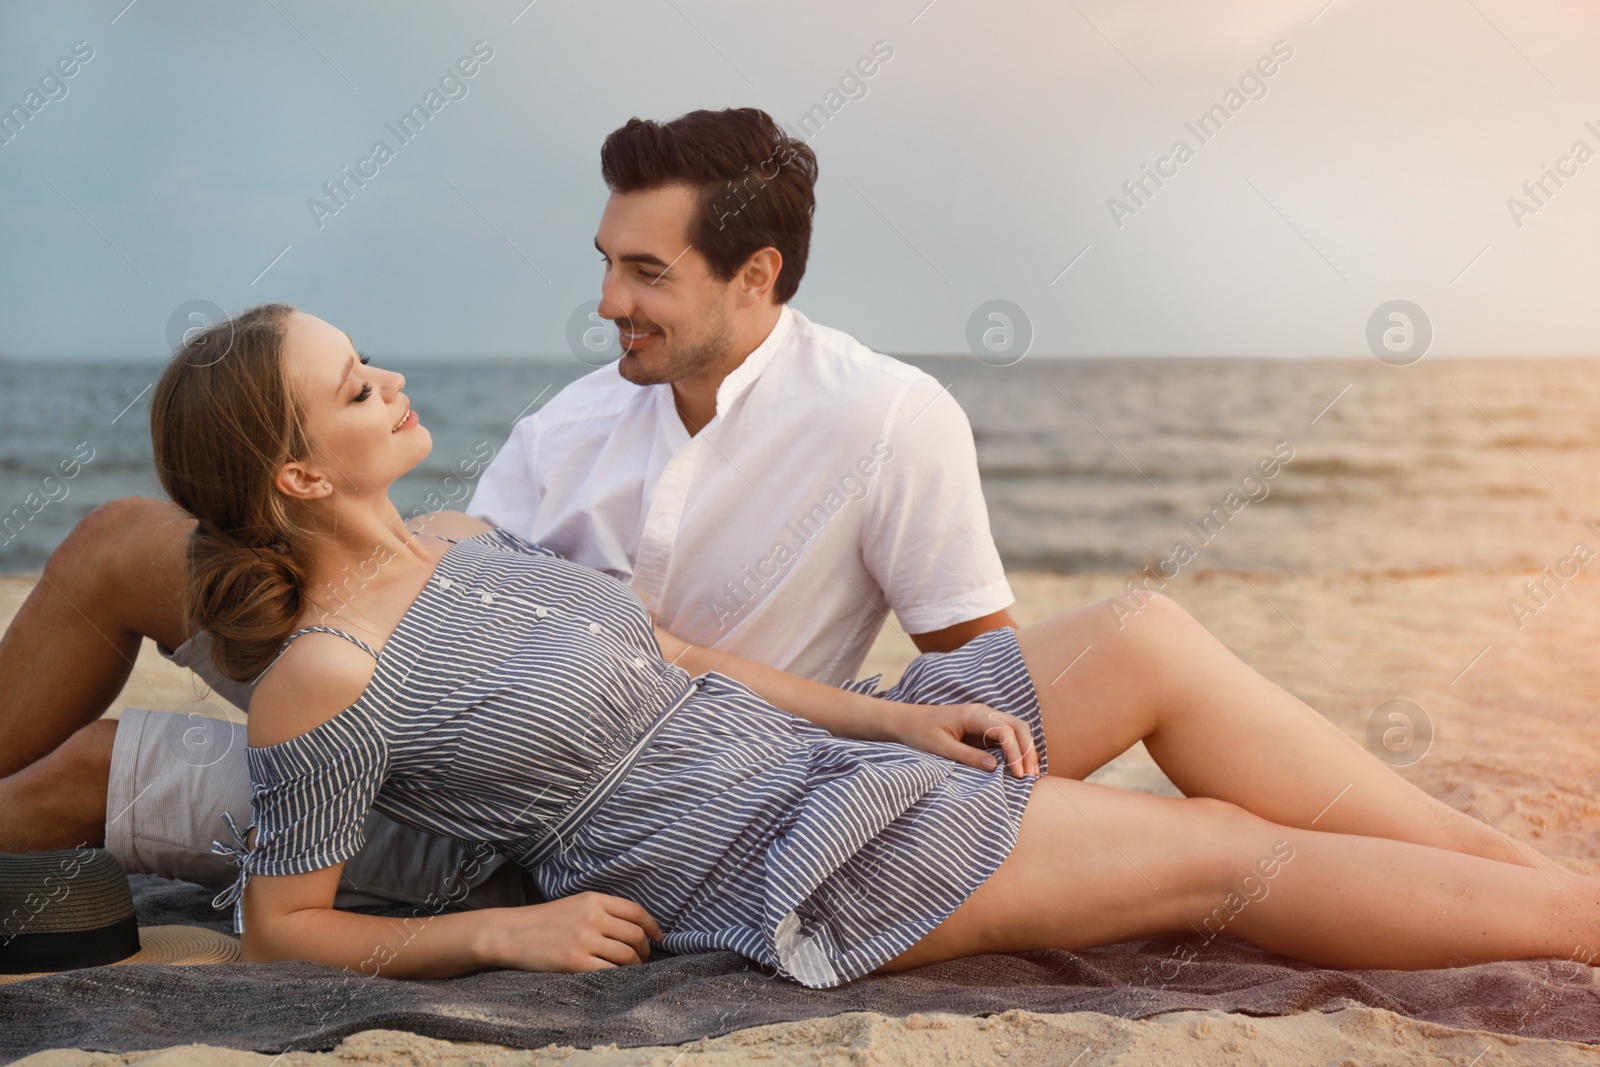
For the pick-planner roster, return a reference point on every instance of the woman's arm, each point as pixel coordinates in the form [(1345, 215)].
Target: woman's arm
[(939, 730), (838, 711), (291, 917)]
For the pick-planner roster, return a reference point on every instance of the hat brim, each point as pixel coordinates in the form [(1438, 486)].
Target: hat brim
[(177, 946)]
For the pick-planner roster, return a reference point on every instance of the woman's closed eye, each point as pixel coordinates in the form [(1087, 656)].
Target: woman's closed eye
[(366, 390)]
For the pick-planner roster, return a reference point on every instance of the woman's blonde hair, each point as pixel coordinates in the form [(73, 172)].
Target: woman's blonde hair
[(223, 419)]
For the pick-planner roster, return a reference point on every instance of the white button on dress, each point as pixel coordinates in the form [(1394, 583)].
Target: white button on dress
[(487, 599), (445, 584), (594, 627)]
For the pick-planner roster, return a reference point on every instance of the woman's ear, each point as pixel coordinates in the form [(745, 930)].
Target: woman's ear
[(299, 482)]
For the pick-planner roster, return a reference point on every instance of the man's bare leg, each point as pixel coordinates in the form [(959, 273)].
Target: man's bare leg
[(60, 801), (116, 579)]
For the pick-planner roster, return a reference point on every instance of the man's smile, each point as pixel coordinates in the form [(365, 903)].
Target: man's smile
[(632, 339)]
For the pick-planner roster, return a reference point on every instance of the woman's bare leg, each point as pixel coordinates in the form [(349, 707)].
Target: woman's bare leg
[(1095, 865), (1219, 729)]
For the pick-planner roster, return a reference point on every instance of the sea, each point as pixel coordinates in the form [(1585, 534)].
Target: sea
[(1111, 465)]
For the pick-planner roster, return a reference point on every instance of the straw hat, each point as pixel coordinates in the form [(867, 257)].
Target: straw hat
[(61, 911)]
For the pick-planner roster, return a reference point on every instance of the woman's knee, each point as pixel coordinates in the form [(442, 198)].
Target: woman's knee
[(1156, 617), (1229, 840), (1142, 625), (1220, 819), (1137, 865), (1153, 637), (1145, 851)]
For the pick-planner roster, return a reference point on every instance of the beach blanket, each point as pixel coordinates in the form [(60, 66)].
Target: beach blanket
[(272, 1008)]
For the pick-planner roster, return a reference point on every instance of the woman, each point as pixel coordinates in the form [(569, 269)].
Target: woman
[(468, 683)]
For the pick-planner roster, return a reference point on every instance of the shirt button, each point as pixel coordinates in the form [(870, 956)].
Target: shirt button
[(541, 611), (594, 627), (487, 599), (445, 583), (638, 661)]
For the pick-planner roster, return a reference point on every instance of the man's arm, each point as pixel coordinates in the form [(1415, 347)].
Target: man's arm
[(508, 493), (927, 543), (953, 637)]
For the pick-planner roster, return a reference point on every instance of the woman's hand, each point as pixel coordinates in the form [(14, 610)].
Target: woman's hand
[(290, 917), (943, 729), (583, 932)]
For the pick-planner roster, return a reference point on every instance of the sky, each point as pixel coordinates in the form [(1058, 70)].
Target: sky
[(1382, 159)]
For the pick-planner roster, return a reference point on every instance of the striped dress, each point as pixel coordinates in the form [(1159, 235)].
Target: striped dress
[(522, 705)]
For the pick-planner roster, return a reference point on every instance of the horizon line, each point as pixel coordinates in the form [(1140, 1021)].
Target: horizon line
[(558, 358)]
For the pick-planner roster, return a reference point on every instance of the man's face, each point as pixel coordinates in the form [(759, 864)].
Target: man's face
[(672, 313)]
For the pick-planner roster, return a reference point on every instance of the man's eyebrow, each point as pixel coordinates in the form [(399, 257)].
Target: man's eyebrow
[(645, 258)]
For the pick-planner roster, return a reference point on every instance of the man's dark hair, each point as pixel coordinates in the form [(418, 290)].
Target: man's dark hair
[(755, 184)]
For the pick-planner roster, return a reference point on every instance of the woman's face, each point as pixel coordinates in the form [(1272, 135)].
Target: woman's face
[(363, 432)]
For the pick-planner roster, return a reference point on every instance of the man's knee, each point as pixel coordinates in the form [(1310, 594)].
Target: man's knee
[(120, 534), (60, 801), (84, 759), (128, 559), (79, 774)]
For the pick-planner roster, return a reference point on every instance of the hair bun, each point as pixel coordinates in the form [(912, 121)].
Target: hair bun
[(248, 596)]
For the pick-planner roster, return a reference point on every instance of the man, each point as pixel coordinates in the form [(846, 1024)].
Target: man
[(775, 487), (768, 486)]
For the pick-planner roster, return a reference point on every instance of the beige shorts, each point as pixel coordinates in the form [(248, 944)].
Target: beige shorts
[(173, 774)]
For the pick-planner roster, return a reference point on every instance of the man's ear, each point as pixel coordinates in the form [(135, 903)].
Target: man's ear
[(758, 275), (299, 482)]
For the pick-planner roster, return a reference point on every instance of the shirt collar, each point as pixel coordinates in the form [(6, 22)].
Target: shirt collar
[(745, 374)]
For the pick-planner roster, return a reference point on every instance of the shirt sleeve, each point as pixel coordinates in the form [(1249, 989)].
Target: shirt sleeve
[(927, 540), (508, 493), (310, 797)]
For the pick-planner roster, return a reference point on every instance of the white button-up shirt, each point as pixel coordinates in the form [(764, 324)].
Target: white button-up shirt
[(834, 484)]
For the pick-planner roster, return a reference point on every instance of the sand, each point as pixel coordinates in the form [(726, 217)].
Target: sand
[(1514, 743), (1354, 1036)]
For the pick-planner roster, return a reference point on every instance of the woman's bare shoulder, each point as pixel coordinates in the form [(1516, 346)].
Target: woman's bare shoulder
[(448, 524), (317, 677)]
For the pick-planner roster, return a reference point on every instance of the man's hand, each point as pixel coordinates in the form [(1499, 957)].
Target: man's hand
[(943, 729), (583, 932)]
